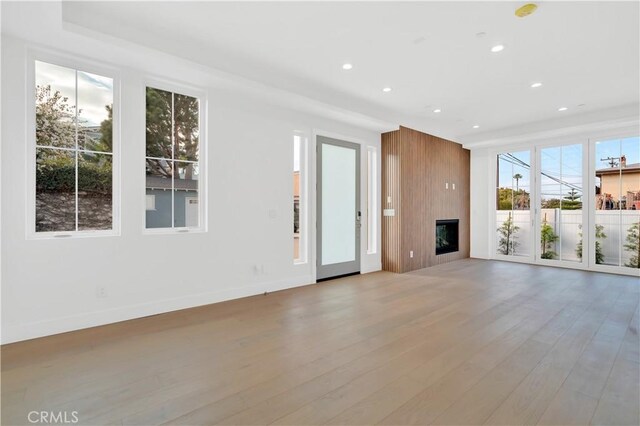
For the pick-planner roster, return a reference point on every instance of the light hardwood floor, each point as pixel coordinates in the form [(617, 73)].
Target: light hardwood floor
[(469, 342)]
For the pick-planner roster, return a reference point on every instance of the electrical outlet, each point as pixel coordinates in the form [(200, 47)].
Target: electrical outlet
[(411, 253), (101, 292)]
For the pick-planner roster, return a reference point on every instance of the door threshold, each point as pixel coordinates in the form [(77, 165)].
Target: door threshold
[(338, 276)]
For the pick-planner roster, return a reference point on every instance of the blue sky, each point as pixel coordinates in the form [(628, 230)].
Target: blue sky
[(562, 166)]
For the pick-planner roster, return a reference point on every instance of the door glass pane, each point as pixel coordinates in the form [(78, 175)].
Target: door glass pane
[(513, 198), (618, 202), (338, 204), (561, 203)]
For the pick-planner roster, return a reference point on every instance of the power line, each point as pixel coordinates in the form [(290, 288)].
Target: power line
[(518, 162)]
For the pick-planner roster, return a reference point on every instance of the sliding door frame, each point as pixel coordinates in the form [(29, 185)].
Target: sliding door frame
[(586, 196), (494, 225), (588, 142)]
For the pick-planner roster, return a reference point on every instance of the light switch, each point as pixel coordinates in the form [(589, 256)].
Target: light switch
[(446, 185), (454, 186), (389, 199), (389, 212)]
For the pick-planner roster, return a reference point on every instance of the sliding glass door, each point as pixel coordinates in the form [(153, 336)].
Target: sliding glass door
[(570, 204), (513, 224), (560, 216), (616, 212)]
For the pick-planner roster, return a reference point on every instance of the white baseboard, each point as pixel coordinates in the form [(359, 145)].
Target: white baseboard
[(17, 332), (372, 268)]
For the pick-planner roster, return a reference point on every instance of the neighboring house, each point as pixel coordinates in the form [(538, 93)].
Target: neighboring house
[(620, 183), (159, 202)]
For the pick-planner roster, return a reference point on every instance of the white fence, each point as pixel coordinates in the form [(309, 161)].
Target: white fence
[(615, 226)]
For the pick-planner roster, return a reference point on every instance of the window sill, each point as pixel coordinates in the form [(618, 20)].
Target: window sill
[(173, 231), (72, 235)]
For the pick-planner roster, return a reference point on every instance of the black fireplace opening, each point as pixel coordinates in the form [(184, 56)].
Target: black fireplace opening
[(446, 236)]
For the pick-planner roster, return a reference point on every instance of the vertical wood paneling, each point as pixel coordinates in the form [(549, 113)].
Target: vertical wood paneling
[(391, 235), (416, 167)]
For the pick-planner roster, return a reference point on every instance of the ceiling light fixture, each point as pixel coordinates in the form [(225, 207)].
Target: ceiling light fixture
[(347, 66), (437, 110), (563, 109), (526, 10), (386, 89), (476, 126), (536, 85), (497, 48)]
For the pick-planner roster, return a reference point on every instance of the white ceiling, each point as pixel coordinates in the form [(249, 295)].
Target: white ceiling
[(583, 53)]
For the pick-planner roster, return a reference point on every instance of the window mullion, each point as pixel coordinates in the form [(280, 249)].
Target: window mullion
[(173, 162), (76, 147)]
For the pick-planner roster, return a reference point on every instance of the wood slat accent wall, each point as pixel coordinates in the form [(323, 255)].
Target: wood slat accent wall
[(391, 191), (416, 167)]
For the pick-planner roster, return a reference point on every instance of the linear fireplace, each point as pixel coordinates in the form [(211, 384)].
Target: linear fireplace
[(446, 236)]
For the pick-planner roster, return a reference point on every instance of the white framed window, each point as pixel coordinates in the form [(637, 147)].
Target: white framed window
[(372, 200), (299, 198), (173, 159), (73, 160)]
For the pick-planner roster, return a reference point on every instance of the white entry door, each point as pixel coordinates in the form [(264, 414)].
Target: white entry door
[(338, 206)]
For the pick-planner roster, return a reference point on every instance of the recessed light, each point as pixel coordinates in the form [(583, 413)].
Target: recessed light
[(386, 89), (347, 66), (536, 85), (563, 109), (497, 48), (476, 126), (437, 110)]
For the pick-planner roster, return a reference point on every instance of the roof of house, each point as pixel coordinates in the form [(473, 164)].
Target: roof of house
[(157, 182), (631, 168)]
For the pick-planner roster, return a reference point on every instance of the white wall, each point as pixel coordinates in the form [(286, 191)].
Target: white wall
[(49, 286), (480, 172)]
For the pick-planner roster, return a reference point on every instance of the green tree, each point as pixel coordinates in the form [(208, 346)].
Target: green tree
[(572, 195), (172, 123), (633, 245), (600, 235), (556, 203), (508, 199), (547, 238), (105, 144), (56, 126), (507, 243)]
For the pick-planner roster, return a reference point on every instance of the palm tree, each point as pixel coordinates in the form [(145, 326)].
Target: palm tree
[(517, 177)]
